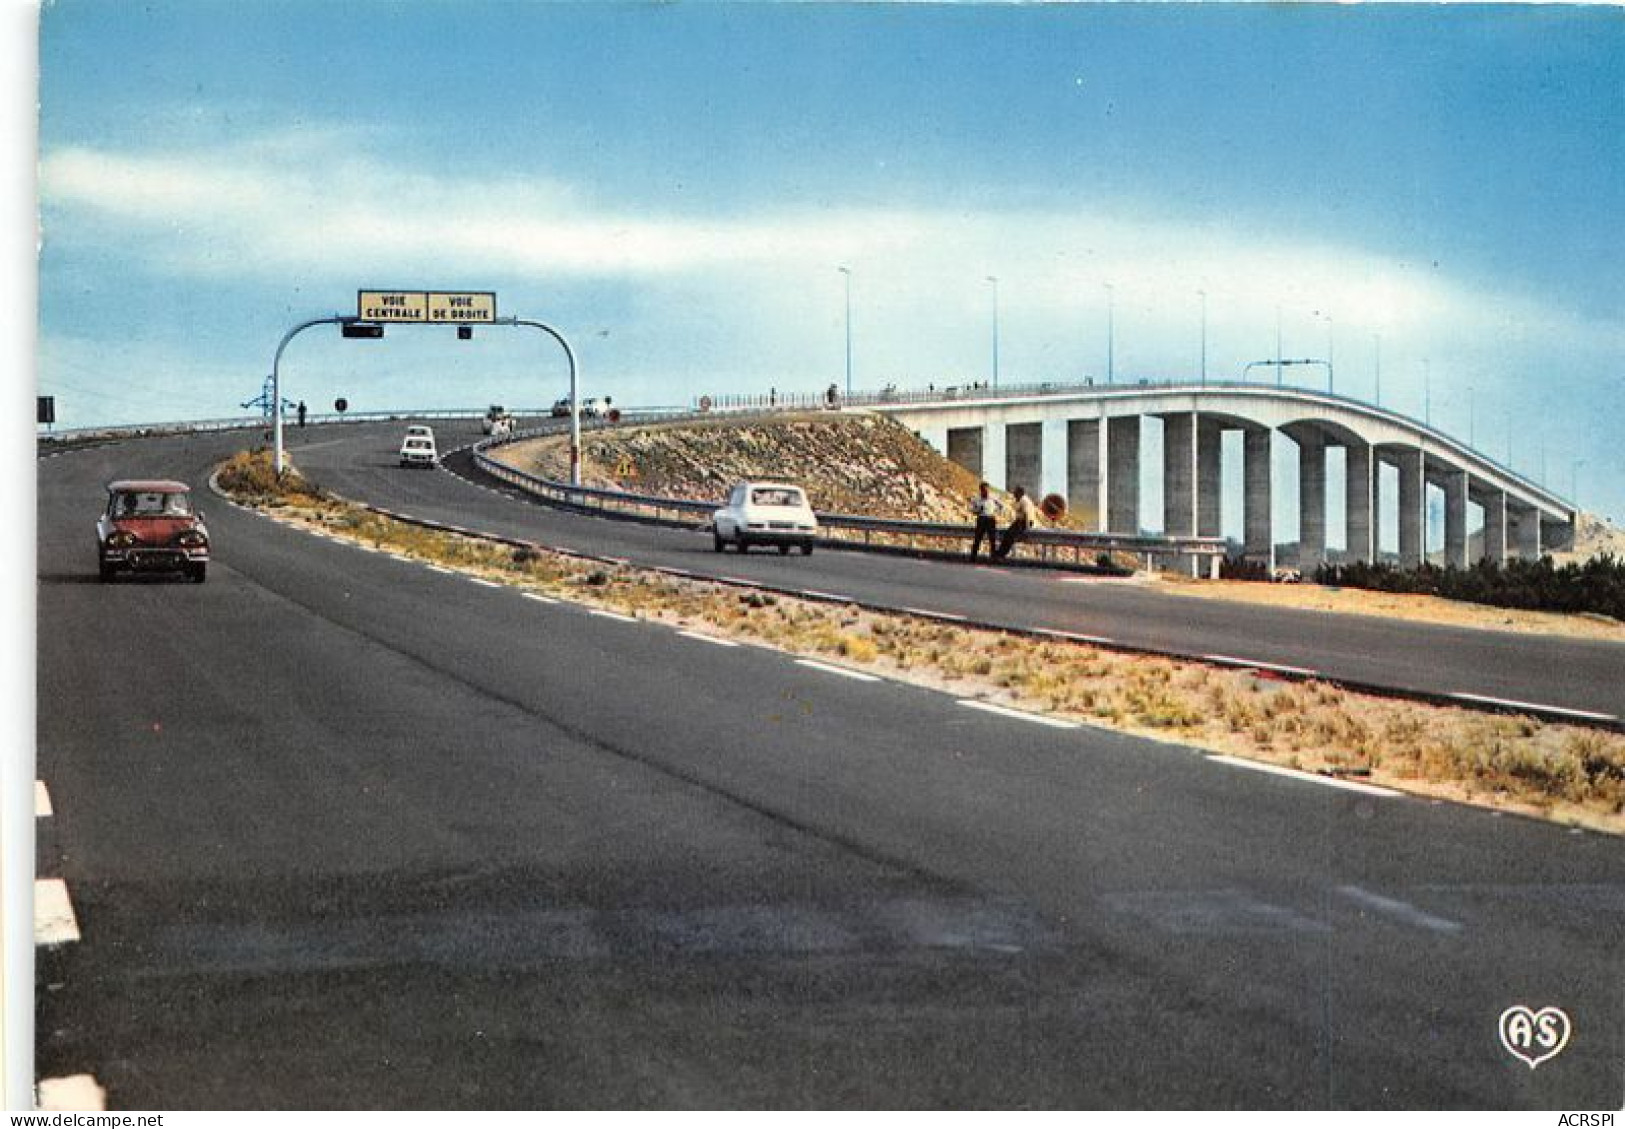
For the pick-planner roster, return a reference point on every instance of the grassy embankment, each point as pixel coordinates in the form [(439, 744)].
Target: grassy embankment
[(1560, 772)]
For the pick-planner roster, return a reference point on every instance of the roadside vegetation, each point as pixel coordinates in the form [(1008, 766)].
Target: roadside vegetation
[(1595, 586), (1561, 772)]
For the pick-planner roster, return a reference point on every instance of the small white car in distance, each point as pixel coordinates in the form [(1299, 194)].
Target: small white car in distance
[(765, 513), (418, 448)]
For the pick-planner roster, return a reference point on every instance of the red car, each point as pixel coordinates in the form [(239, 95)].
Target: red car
[(150, 526)]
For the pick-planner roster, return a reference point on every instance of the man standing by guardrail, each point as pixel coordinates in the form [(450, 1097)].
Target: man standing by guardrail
[(1026, 512), (985, 507)]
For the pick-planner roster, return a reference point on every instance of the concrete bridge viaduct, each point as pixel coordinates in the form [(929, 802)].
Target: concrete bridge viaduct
[(1085, 444)]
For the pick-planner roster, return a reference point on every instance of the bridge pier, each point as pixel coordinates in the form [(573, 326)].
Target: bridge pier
[(1311, 498), (1024, 458), (1209, 477), (1123, 474), (1084, 485), (1359, 502), (1258, 452), (1412, 499), (1179, 474), (1494, 503), (1454, 484)]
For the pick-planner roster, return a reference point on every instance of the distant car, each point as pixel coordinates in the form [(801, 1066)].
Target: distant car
[(496, 416), (418, 448), (561, 408), (149, 525), (765, 513), (592, 407)]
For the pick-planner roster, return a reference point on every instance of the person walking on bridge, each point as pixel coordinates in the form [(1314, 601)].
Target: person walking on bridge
[(985, 508), (1026, 514)]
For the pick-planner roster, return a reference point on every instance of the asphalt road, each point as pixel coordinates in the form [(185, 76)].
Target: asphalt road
[(342, 831), (1547, 671)]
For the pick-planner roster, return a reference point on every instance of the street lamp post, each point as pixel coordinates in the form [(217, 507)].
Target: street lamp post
[(1111, 344), (1278, 369), (847, 271), (1203, 377), (1427, 391), (1331, 387), (1376, 339), (994, 279)]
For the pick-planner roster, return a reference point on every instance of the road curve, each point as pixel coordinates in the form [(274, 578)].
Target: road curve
[(342, 831), (1554, 673)]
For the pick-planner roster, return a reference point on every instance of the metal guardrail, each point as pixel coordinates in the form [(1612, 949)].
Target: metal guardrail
[(247, 423), (1056, 547)]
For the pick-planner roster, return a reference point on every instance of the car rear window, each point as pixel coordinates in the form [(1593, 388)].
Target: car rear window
[(775, 496), (152, 503)]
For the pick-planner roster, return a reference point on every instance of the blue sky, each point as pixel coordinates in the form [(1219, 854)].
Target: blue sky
[(674, 186)]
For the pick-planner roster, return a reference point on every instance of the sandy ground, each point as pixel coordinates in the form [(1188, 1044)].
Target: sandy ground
[(1393, 605)]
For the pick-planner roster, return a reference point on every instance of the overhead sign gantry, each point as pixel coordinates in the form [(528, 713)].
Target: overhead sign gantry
[(462, 309)]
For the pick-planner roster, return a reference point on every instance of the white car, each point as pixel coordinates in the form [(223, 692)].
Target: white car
[(496, 417), (765, 513), (592, 408), (418, 448)]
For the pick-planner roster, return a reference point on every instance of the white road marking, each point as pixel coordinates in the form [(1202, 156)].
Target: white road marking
[(483, 583), (615, 560), (1254, 664), (602, 614), (844, 672), (1400, 911), (812, 595), (76, 1092), (441, 571), (42, 800), (1512, 704), (54, 922), (736, 580), (929, 614), (1310, 777), (1076, 637), (712, 639), (539, 598), (1019, 715)]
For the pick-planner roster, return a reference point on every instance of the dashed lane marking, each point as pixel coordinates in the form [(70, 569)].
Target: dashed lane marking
[(844, 672), (814, 595), (1310, 777), (538, 597), (42, 800), (54, 921), (442, 571), (602, 614), (929, 614), (1076, 637), (1517, 705), (483, 583), (712, 639), (76, 1092), (1018, 715), (1254, 664), (1402, 912)]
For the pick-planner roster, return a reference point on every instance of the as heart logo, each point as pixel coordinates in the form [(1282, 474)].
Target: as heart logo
[(1534, 1036)]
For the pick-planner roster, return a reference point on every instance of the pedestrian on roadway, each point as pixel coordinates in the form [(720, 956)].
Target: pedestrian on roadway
[(1026, 514), (301, 411), (985, 507)]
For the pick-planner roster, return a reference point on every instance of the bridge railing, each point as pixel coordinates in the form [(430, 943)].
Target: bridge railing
[(1060, 547)]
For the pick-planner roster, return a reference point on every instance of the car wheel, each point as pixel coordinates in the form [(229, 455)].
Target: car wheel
[(784, 550), (106, 571), (198, 573), (806, 549), (742, 545), (717, 542)]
